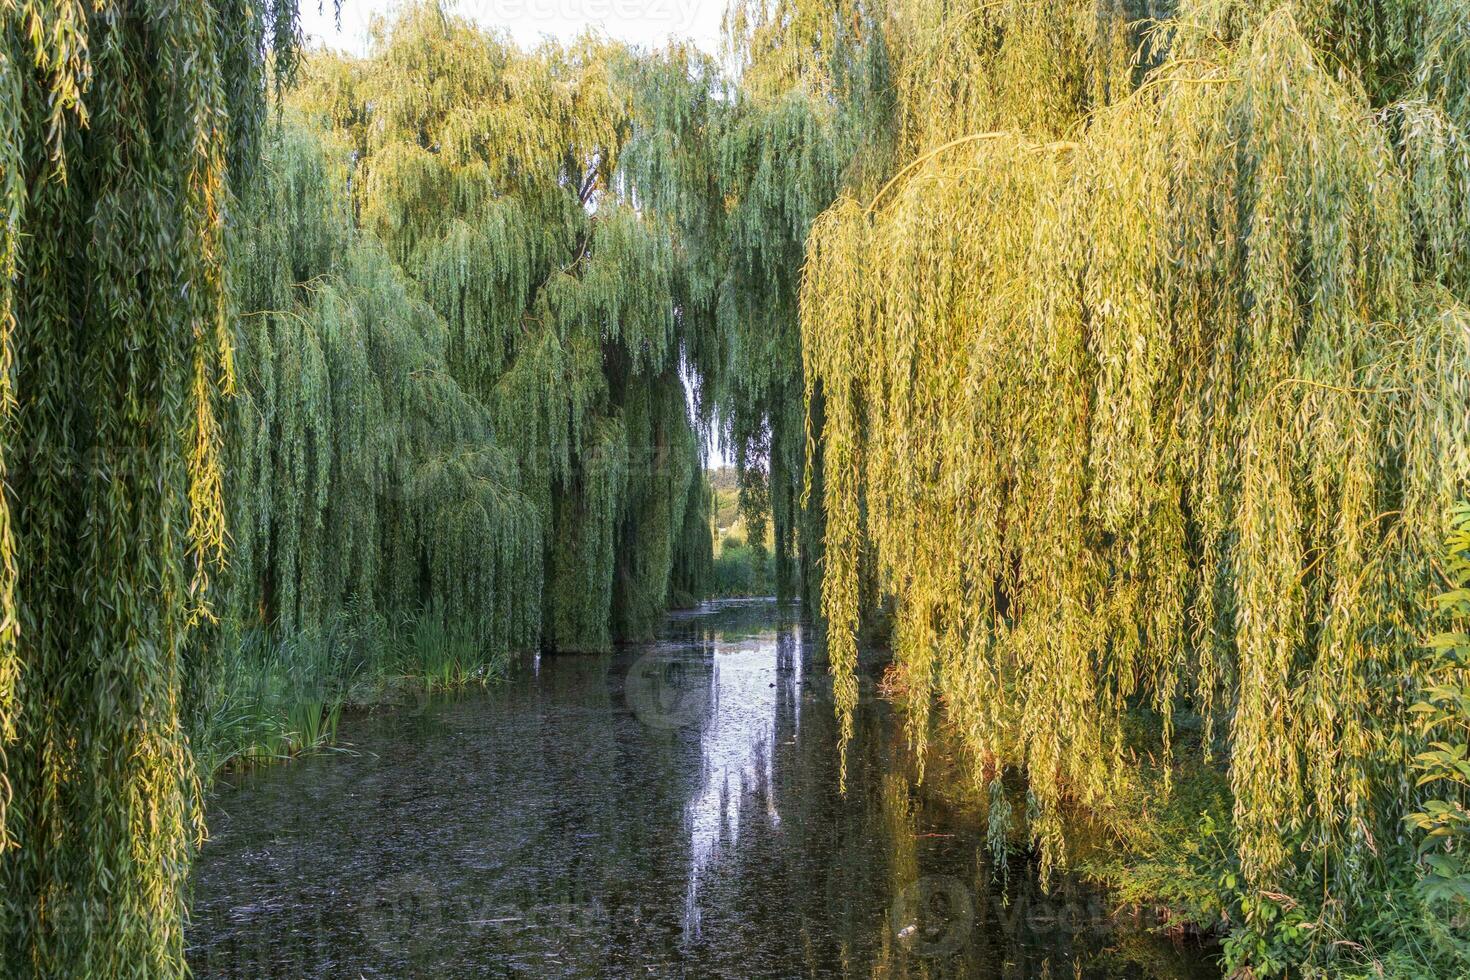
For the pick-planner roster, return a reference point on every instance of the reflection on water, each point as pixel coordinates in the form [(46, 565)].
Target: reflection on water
[(753, 699), (669, 810)]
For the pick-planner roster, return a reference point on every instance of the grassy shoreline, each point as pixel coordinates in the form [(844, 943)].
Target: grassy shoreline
[(267, 699)]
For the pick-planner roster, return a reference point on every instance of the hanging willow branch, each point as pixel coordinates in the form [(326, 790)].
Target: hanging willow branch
[(961, 141), (127, 129), (1173, 415), (359, 468), (495, 180)]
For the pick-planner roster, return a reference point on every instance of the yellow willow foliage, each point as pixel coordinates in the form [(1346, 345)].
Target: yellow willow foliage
[(997, 64), (450, 120), (828, 91), (1379, 47), (773, 45), (12, 205), (1173, 409)]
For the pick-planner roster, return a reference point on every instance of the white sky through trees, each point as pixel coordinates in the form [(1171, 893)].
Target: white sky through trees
[(648, 23)]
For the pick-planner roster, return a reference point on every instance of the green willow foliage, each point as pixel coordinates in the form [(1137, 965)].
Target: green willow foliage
[(779, 160), (124, 127), (1444, 716), (358, 469), (1147, 382), (801, 116), (571, 298)]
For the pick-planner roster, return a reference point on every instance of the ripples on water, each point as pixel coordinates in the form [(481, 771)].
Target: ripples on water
[(668, 810)]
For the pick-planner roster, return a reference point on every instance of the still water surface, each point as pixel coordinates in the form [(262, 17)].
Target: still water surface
[(668, 810)]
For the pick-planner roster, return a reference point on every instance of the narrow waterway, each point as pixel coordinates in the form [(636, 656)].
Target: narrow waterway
[(668, 810)]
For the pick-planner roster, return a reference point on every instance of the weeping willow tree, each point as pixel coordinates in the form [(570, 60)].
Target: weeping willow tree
[(809, 112), (1145, 379), (779, 161), (125, 127), (358, 469), (494, 179)]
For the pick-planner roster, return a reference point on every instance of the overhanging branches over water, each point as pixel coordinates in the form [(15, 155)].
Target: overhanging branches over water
[(1155, 396), (1131, 365)]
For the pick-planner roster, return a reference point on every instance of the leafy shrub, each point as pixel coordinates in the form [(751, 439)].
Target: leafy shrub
[(743, 570), (1444, 717)]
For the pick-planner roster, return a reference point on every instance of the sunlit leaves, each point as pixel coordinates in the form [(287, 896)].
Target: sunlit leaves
[(1147, 396)]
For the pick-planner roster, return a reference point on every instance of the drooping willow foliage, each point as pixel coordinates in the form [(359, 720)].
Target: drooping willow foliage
[(358, 470), (779, 160), (494, 179), (810, 111), (124, 128), (1131, 357), (1146, 379)]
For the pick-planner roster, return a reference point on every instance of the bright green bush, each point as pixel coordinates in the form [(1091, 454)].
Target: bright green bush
[(743, 570), (1443, 716)]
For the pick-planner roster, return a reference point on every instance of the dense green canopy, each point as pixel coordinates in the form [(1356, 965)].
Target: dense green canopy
[(124, 128), (357, 468), (495, 180)]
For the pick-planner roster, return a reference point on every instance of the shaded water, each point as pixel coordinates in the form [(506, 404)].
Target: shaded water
[(668, 810)]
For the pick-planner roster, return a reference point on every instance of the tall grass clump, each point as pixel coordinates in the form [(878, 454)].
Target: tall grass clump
[(442, 657), (271, 698)]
